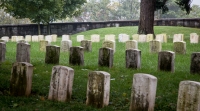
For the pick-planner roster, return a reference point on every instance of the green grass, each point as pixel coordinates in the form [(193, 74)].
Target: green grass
[(121, 78)]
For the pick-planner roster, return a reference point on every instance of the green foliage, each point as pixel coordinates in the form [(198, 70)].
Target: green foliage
[(121, 78)]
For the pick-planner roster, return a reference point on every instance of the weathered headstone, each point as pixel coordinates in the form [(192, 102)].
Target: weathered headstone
[(178, 37), (194, 38), (2, 51), (23, 52), (143, 93), (123, 37), (133, 58), (13, 38), (155, 46), (166, 61), (22, 41), (195, 63), (65, 37), (40, 37), (43, 45), (109, 44), (48, 38), (106, 56), (142, 38), (52, 54), (61, 83), (76, 56), (131, 44), (21, 79), (135, 37), (35, 38), (65, 45), (95, 38), (80, 38), (98, 89), (110, 37), (188, 96), (54, 37), (87, 45), (180, 47), (5, 38), (28, 38), (2, 41), (149, 37)]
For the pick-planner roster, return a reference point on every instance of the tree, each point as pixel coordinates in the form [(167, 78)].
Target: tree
[(42, 11), (147, 8)]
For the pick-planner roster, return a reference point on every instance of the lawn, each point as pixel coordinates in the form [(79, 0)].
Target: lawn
[(121, 77)]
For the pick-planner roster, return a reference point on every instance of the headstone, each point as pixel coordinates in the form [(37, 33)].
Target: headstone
[(133, 58), (188, 96), (23, 52), (2, 41), (155, 46), (35, 38), (195, 63), (110, 37), (13, 38), (98, 89), (87, 45), (21, 41), (162, 38), (142, 38), (5, 38), (19, 38), (65, 45), (65, 37), (48, 38), (40, 37), (95, 38), (178, 37), (2, 51), (52, 54), (80, 38), (143, 93), (194, 38), (76, 56), (54, 37), (106, 56), (61, 83), (43, 45), (131, 44), (180, 47), (28, 38), (166, 61), (123, 37), (109, 44), (135, 37), (149, 37), (21, 79)]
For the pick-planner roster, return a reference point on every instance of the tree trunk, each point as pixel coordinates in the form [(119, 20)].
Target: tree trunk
[(39, 32), (48, 28), (146, 17)]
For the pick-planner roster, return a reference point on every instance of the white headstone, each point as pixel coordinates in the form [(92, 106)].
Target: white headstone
[(142, 38), (178, 37), (123, 37), (48, 38), (19, 38), (135, 37), (5, 38), (149, 37), (131, 44), (28, 38), (13, 38), (194, 38), (40, 37), (65, 37), (80, 38), (35, 38), (110, 37), (95, 38), (54, 37)]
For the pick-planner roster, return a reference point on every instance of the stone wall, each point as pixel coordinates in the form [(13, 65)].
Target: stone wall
[(75, 27)]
